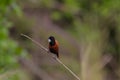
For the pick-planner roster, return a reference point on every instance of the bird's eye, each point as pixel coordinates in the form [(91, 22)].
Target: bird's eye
[(49, 40)]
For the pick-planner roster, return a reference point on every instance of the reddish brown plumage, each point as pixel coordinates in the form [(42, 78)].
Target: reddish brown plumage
[(54, 46)]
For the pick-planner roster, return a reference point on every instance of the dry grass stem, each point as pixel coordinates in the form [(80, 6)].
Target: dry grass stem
[(58, 60)]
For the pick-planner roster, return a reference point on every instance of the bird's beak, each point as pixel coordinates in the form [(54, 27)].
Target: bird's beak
[(49, 40)]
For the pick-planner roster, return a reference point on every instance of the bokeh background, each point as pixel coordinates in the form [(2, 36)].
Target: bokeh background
[(87, 31)]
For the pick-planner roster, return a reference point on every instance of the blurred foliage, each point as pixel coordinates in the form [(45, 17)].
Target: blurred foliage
[(9, 49), (92, 22), (88, 20)]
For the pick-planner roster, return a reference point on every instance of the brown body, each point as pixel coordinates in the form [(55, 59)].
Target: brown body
[(53, 46)]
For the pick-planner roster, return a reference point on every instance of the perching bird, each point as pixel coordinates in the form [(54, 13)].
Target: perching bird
[(53, 46)]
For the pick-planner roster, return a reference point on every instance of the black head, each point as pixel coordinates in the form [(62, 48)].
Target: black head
[(51, 40)]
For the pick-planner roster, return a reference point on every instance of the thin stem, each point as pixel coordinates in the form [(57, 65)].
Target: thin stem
[(67, 68), (53, 57), (35, 42)]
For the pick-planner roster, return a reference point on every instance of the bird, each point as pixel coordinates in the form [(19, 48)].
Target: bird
[(53, 46)]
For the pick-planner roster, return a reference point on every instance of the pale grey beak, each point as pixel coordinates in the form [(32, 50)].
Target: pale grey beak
[(49, 40)]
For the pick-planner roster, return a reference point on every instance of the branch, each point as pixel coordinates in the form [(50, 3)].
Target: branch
[(58, 60), (67, 68), (35, 42)]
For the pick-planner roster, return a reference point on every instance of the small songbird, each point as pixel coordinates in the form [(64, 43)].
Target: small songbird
[(53, 46)]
